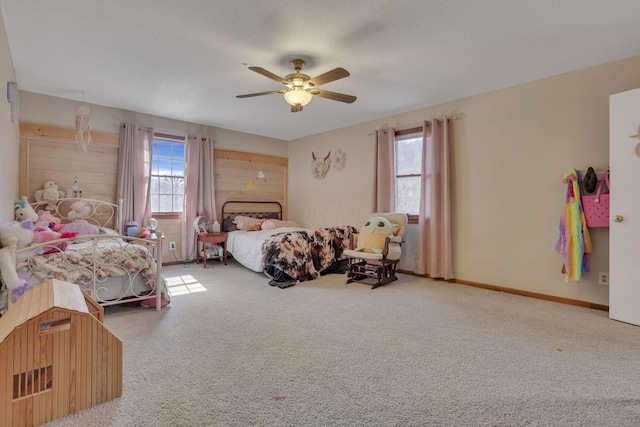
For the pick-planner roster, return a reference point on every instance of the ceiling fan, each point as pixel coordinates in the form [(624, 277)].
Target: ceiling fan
[(301, 88)]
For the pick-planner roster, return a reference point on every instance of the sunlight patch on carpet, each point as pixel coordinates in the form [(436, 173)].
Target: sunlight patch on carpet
[(182, 285)]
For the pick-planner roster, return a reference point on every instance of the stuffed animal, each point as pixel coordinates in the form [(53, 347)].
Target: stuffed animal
[(373, 235), (79, 209), (43, 235), (45, 219), (49, 193), (15, 234), (19, 232), (144, 233), (21, 235), (17, 293), (82, 228), (23, 211)]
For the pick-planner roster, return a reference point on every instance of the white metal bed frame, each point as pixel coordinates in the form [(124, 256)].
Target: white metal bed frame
[(102, 214)]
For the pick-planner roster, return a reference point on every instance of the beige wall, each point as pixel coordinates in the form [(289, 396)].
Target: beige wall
[(511, 149), (8, 134)]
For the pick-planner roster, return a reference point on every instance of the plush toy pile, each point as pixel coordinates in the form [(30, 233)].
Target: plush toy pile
[(29, 227)]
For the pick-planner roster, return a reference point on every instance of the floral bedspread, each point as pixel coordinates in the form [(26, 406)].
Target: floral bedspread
[(304, 254), (113, 257)]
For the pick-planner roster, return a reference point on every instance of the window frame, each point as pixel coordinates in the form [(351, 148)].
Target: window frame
[(175, 139), (412, 218)]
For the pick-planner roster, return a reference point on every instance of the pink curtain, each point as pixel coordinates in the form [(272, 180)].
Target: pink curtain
[(384, 192), (134, 173), (434, 252), (199, 197)]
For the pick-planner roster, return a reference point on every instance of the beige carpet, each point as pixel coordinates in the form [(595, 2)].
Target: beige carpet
[(233, 351)]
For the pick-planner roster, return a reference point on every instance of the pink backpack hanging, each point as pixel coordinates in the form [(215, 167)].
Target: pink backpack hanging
[(596, 207)]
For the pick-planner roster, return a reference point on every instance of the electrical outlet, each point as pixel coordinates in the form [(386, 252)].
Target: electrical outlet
[(172, 246), (603, 278)]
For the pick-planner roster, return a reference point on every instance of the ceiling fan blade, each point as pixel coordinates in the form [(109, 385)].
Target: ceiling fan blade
[(296, 108), (249, 95), (329, 76), (270, 75), (334, 96)]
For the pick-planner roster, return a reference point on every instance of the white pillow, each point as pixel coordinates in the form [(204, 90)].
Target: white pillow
[(268, 225), (244, 222), (272, 224)]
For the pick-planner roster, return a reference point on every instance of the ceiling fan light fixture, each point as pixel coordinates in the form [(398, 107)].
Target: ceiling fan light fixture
[(297, 96), (300, 88)]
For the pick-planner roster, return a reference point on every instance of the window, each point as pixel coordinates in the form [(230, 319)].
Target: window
[(167, 175), (408, 153)]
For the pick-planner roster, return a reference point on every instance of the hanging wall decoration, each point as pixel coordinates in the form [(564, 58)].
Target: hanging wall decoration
[(83, 133), (320, 166), (339, 160)]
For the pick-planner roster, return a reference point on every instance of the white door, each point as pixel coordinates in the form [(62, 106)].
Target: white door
[(624, 234)]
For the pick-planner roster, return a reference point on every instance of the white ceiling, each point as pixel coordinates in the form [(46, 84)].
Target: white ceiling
[(188, 59)]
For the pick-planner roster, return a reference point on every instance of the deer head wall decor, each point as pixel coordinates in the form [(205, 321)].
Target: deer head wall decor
[(320, 167)]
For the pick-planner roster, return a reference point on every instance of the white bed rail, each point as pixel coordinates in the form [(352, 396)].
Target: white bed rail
[(91, 271)]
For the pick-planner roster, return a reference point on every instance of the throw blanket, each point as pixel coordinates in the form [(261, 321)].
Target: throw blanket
[(302, 255), (574, 241)]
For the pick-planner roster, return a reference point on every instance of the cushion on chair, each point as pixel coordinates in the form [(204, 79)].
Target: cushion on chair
[(352, 253)]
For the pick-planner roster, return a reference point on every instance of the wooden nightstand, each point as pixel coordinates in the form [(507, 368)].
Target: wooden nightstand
[(219, 238)]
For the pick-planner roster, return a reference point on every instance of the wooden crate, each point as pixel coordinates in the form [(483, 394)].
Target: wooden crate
[(56, 356)]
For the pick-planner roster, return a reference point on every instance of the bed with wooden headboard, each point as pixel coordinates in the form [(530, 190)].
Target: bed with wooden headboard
[(259, 239), (111, 267)]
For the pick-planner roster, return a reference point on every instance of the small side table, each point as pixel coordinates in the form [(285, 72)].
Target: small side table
[(219, 238)]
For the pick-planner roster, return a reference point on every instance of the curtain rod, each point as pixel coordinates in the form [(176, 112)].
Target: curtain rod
[(202, 138), (411, 127), (139, 127)]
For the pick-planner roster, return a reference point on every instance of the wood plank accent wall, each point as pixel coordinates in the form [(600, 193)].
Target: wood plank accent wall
[(236, 178), (51, 153)]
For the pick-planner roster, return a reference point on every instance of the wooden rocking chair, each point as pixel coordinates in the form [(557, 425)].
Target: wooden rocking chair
[(379, 267)]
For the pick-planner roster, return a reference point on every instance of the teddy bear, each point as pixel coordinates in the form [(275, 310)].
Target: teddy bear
[(49, 193)]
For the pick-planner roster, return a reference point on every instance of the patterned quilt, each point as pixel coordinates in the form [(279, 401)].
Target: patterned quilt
[(305, 254), (113, 257)]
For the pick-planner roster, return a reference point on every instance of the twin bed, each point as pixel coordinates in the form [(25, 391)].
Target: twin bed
[(286, 252), (111, 267)]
